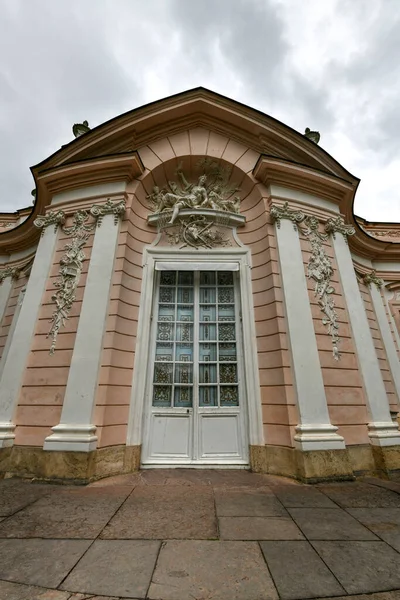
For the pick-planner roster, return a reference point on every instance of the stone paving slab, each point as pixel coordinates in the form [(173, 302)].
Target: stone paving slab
[(384, 522), (329, 524), (39, 562), (360, 495), (384, 483), (302, 497), (66, 513), (258, 528), (16, 494), (173, 512), (119, 567), (211, 570), (362, 567), (242, 502), (18, 591), (298, 572)]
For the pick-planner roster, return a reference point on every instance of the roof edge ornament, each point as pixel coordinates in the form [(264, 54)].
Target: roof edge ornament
[(314, 136)]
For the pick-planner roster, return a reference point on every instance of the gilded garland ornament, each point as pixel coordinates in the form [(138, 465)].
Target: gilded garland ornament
[(72, 261)]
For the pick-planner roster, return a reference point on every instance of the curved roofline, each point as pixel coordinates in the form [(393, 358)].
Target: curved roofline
[(195, 107), (183, 94)]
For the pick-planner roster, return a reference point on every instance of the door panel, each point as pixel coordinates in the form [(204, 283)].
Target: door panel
[(219, 436), (195, 365), (171, 436)]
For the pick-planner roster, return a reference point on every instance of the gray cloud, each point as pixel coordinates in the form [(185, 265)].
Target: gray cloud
[(56, 69), (330, 66)]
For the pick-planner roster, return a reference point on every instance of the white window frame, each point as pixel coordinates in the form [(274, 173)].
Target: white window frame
[(238, 259)]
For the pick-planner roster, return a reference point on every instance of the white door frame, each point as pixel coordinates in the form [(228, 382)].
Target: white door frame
[(215, 260)]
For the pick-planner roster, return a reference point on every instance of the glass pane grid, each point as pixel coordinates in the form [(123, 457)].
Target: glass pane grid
[(196, 350)]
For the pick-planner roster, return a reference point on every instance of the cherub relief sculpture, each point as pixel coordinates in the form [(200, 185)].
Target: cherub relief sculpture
[(211, 191)]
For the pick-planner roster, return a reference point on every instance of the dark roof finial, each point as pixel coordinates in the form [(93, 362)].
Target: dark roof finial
[(79, 129), (314, 136)]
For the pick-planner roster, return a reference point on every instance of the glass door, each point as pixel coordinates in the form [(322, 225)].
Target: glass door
[(195, 393)]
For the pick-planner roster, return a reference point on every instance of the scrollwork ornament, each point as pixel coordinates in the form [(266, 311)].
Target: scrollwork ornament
[(337, 225), (372, 278), (71, 262), (56, 218), (284, 212), (114, 208), (197, 232), (13, 272), (320, 269)]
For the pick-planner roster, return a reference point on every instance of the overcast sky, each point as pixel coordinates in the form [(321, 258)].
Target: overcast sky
[(331, 65)]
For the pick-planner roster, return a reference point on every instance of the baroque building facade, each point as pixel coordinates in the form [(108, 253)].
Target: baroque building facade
[(192, 289)]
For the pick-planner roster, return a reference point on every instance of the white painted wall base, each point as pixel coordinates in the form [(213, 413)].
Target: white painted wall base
[(318, 436), (385, 433), (7, 435), (72, 438)]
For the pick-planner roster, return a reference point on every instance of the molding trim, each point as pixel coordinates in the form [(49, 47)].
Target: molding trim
[(241, 256)]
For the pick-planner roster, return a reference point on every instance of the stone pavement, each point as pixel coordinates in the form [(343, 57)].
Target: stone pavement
[(199, 534)]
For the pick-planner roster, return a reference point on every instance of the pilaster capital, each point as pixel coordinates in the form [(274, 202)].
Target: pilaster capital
[(98, 211), (337, 225), (12, 272), (372, 278), (53, 217), (284, 212)]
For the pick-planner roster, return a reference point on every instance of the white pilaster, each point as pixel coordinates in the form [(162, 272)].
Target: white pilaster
[(389, 295), (387, 337), (5, 289), (76, 431), (382, 431), (315, 431), (14, 366)]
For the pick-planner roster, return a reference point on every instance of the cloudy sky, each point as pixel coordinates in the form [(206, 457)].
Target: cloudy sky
[(331, 65)]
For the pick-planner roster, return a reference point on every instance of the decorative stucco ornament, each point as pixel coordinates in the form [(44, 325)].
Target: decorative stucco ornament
[(372, 278), (320, 269), (71, 262), (284, 212), (337, 225), (193, 208), (53, 217), (394, 233), (314, 136), (108, 208), (12, 272), (197, 233), (7, 224), (319, 266)]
